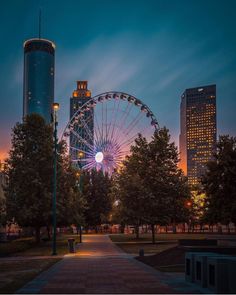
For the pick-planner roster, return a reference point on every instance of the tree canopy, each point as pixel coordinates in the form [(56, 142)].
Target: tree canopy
[(96, 188), (150, 189), (219, 183), (30, 177)]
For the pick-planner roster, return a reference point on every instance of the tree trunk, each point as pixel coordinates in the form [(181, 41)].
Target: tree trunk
[(174, 228), (219, 229), (80, 234), (48, 232), (153, 233), (37, 234), (137, 231), (122, 228)]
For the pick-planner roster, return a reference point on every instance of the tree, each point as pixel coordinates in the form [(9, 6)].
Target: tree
[(96, 188), (30, 178), (29, 171), (219, 183), (129, 198), (166, 181), (152, 189), (70, 201)]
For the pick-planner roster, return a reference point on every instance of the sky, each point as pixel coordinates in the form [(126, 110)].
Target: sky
[(152, 49)]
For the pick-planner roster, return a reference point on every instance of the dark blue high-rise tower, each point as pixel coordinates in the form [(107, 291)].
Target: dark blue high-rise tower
[(39, 70)]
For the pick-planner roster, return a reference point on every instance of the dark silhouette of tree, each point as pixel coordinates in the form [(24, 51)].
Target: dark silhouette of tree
[(219, 183), (30, 178), (150, 188), (96, 188)]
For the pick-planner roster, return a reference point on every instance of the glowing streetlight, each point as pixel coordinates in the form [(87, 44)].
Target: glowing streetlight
[(55, 107), (81, 154), (188, 204)]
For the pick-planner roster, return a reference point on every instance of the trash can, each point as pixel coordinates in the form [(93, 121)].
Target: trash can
[(71, 245)]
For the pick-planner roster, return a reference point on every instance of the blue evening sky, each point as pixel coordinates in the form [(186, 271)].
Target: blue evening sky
[(152, 49)]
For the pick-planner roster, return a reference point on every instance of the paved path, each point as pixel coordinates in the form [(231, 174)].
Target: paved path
[(100, 266)]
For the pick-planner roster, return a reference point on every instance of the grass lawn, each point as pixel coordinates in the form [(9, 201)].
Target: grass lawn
[(133, 248), (15, 274), (28, 247), (121, 238), (129, 244)]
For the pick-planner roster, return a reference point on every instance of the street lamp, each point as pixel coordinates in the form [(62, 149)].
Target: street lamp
[(55, 107), (80, 176)]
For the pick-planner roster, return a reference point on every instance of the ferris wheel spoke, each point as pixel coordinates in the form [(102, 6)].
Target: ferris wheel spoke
[(130, 140), (86, 122), (115, 119), (126, 115), (131, 105), (85, 125), (90, 153), (111, 121), (106, 121), (97, 125), (134, 122), (102, 120), (81, 139), (123, 117), (89, 165)]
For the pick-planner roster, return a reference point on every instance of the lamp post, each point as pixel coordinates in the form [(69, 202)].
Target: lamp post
[(79, 174), (55, 107)]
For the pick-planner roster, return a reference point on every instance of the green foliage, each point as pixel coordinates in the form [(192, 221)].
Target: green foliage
[(29, 189), (70, 201), (219, 183), (96, 188), (150, 188), (30, 178), (3, 218)]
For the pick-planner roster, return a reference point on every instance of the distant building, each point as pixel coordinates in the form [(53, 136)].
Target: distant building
[(39, 71), (197, 139), (85, 130)]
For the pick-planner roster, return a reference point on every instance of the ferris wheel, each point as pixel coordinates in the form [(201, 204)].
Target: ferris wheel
[(101, 131)]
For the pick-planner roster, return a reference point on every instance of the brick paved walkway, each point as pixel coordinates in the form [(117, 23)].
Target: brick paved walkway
[(99, 266)]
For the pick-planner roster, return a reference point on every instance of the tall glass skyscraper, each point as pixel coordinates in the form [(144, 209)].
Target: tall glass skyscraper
[(39, 70), (198, 130)]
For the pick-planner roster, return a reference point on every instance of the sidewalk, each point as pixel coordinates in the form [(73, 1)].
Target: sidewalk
[(99, 266)]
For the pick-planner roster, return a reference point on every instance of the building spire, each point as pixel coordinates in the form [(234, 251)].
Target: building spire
[(40, 23)]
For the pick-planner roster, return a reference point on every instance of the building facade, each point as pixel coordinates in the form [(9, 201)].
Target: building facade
[(84, 129), (197, 140), (39, 71)]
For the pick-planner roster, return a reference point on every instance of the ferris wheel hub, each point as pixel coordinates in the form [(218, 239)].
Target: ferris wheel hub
[(99, 157)]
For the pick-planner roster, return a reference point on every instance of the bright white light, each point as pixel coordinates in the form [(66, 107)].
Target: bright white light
[(99, 157)]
